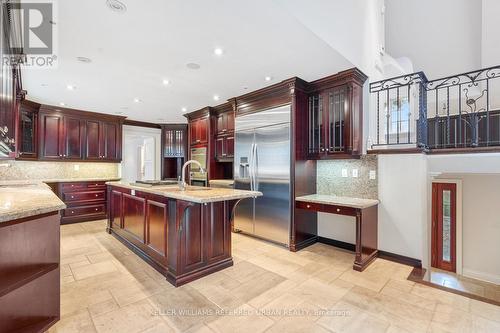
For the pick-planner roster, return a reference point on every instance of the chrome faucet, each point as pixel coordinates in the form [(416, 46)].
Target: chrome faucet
[(182, 182)]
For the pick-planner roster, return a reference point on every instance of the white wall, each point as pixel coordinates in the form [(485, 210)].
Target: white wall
[(440, 37), (490, 50), (402, 218)]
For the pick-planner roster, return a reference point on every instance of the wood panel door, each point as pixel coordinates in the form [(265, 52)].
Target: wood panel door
[(74, 136), (444, 207), (93, 128), (110, 141), (51, 136)]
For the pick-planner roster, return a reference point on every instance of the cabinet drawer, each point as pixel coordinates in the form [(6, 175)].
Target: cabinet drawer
[(309, 206), (341, 210), (84, 196), (68, 187), (85, 210), (96, 185)]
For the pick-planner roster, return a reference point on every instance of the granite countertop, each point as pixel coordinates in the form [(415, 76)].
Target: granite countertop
[(75, 180), (221, 181), (340, 201), (192, 193), (19, 199)]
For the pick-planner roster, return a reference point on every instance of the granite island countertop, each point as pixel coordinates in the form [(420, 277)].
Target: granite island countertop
[(339, 201), (20, 199), (195, 194)]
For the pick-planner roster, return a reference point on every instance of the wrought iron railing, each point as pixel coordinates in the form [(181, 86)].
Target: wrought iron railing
[(458, 111)]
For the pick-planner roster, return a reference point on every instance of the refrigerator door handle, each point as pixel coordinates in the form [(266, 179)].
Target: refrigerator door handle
[(250, 167), (256, 168)]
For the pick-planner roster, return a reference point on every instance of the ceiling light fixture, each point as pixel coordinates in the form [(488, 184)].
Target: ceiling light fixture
[(70, 87), (218, 51), (193, 65), (85, 60), (62, 104), (166, 82), (116, 6), (137, 100), (184, 109), (216, 97), (268, 78)]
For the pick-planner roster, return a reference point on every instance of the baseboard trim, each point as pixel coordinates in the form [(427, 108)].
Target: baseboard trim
[(337, 243), (486, 277), (381, 254), (400, 259)]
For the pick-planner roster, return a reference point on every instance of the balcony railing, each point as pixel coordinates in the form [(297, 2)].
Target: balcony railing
[(459, 111)]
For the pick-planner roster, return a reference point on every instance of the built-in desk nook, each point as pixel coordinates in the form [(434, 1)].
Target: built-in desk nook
[(365, 211)]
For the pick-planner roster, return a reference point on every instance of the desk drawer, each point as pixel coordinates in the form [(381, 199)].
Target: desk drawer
[(325, 208), (84, 196), (340, 210), (309, 206), (96, 185)]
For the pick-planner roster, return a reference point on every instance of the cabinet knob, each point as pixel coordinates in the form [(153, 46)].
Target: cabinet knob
[(97, 209), (308, 206), (72, 212), (72, 185), (97, 195), (72, 197), (338, 210)]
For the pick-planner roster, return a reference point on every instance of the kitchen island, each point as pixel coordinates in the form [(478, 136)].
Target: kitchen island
[(184, 234)]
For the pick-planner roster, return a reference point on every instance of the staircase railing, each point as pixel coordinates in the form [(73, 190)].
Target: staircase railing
[(458, 111)]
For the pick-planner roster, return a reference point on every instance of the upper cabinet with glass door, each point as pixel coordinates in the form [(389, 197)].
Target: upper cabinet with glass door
[(335, 121)]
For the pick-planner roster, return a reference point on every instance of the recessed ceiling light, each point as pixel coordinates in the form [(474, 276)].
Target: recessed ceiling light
[(166, 82), (84, 60), (216, 97), (268, 78), (137, 100), (70, 87), (62, 104), (184, 109), (118, 112), (116, 6), (193, 65), (218, 51)]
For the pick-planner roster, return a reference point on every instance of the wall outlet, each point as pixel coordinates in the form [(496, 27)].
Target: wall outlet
[(76, 167), (344, 173), (355, 173), (373, 174)]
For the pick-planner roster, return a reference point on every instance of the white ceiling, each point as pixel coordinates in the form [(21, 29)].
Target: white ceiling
[(133, 52)]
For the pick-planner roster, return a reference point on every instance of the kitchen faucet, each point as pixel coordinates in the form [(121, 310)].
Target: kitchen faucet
[(182, 182)]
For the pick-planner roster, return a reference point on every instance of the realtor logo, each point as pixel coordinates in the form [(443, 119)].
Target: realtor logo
[(31, 28)]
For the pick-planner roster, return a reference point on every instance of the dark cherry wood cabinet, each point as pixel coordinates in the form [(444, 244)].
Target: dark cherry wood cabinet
[(224, 148), (66, 134), (199, 131), (174, 149), (225, 122), (335, 116), (224, 132), (30, 273), (85, 201), (27, 134), (51, 136)]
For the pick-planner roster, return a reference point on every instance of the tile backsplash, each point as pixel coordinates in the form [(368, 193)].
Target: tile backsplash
[(330, 178), (38, 170)]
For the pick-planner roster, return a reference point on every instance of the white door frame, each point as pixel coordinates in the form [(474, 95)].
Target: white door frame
[(154, 132), (459, 236)]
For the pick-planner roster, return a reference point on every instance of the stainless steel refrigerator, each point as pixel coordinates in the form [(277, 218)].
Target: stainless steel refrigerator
[(262, 163)]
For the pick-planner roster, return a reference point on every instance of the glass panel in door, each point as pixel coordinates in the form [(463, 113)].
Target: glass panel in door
[(336, 120), (444, 226), (315, 143)]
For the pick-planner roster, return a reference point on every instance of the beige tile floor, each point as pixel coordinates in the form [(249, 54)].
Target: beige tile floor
[(107, 288), (462, 283)]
